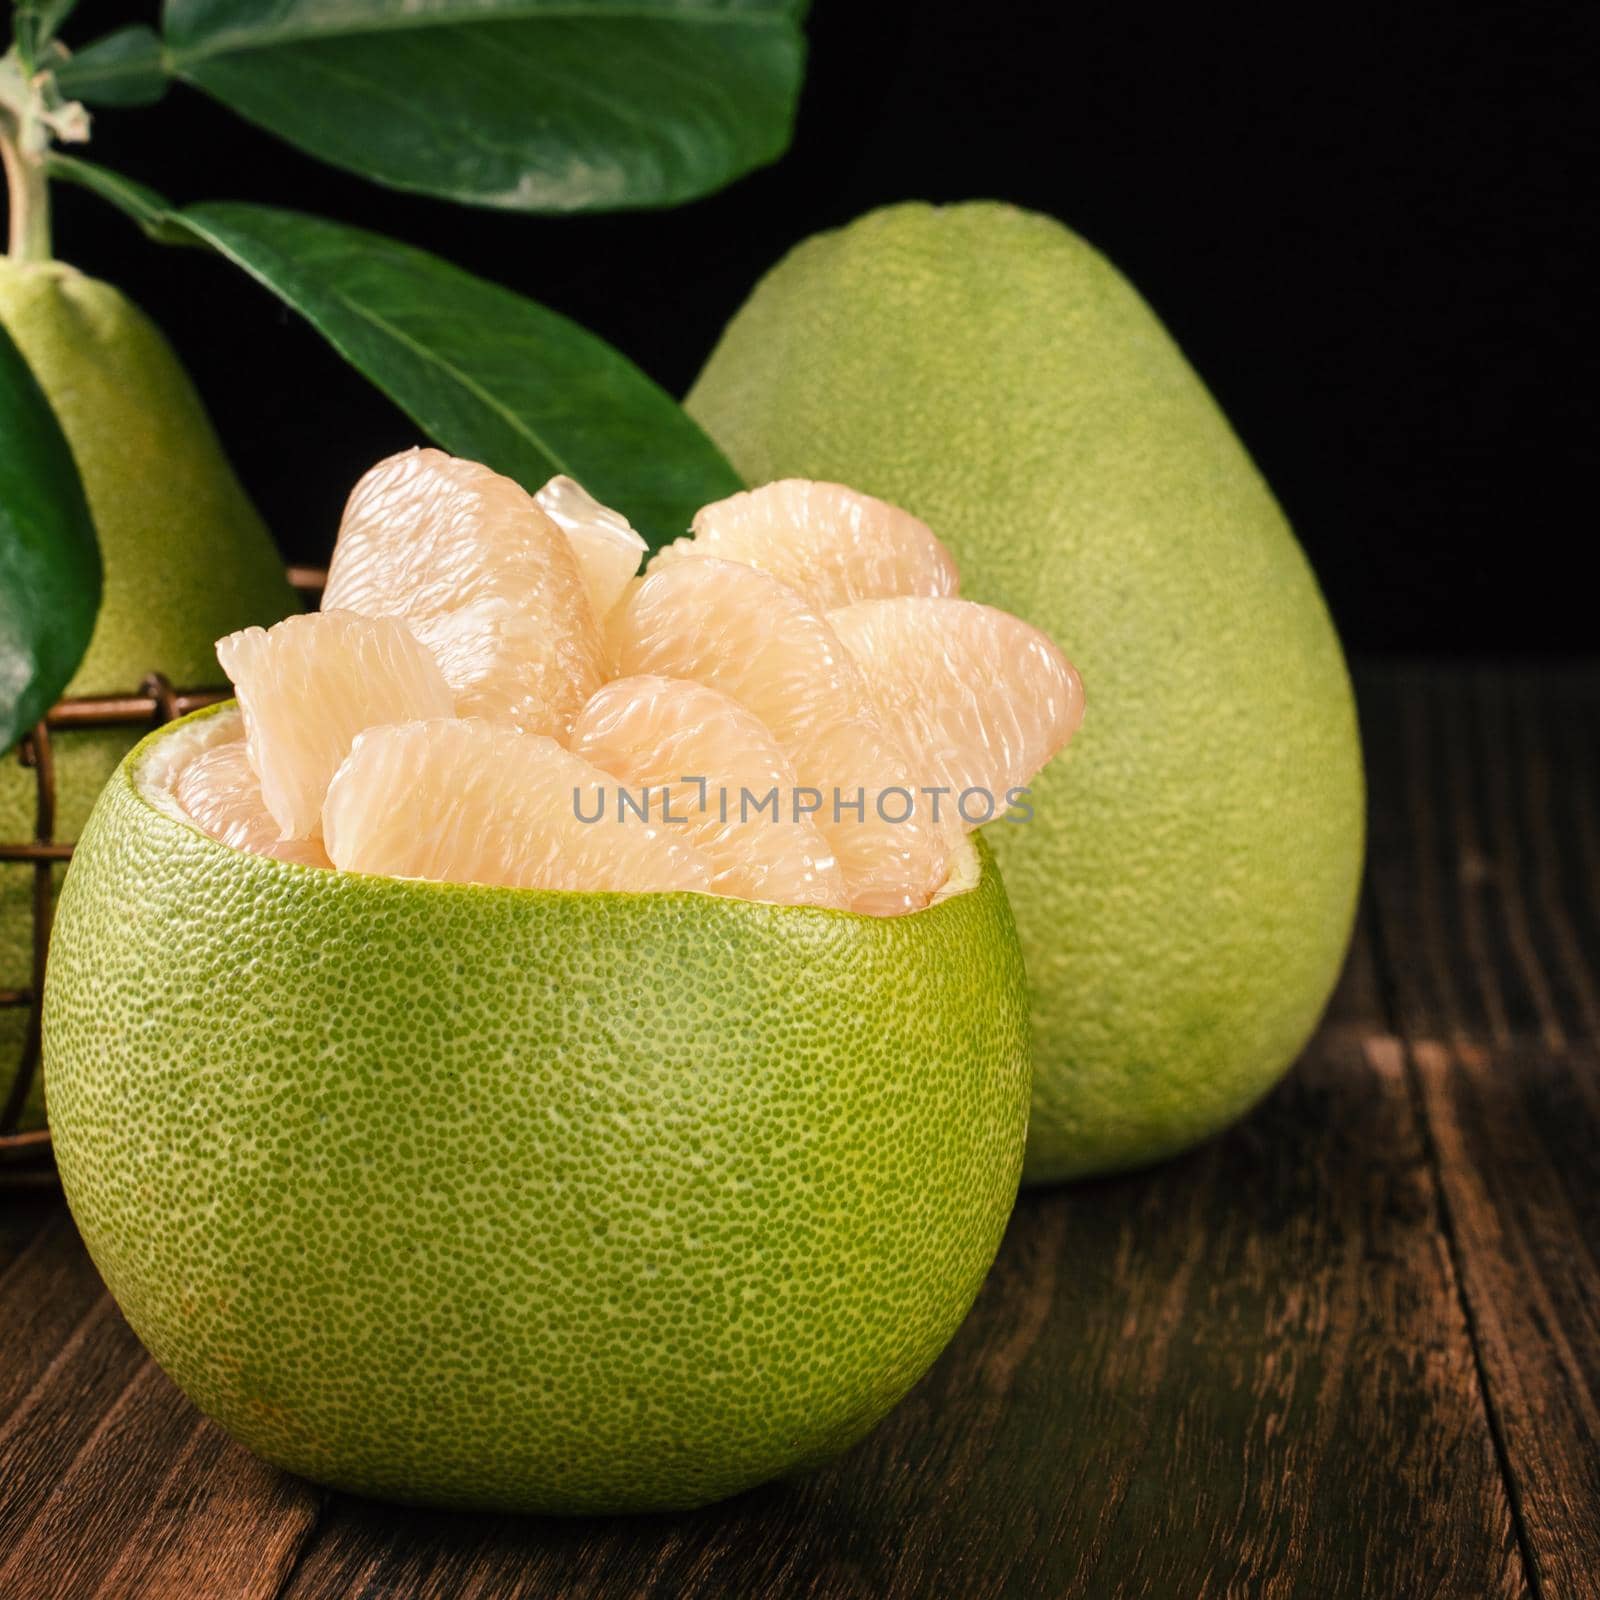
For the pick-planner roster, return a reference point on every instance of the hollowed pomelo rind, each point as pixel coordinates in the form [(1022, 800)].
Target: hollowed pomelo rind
[(520, 1199)]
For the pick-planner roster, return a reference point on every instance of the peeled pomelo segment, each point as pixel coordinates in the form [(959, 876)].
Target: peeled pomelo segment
[(471, 801), (828, 542), (603, 540), (982, 699), (220, 793), (482, 576), (308, 685), (756, 640), (687, 751)]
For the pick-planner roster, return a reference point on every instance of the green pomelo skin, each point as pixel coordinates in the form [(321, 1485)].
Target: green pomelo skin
[(1186, 891), (186, 557), (524, 1200)]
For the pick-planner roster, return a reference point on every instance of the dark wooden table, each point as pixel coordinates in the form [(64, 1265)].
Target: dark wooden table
[(1350, 1348)]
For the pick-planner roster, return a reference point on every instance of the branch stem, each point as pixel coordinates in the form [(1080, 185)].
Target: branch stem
[(28, 195)]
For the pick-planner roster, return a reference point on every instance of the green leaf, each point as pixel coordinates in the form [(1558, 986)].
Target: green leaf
[(52, 13), (35, 25), (49, 559), (532, 105), (482, 371), (125, 68)]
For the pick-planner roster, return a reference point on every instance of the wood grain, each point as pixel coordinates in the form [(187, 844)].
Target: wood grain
[(1512, 1131), (1487, 927), (112, 1484), (1485, 852), (1350, 1348), (218, 1522)]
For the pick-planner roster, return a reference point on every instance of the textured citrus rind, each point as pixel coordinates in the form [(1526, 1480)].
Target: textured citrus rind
[(517, 1199)]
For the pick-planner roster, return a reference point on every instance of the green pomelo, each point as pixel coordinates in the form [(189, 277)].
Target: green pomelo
[(1186, 890), (186, 557), (520, 1199)]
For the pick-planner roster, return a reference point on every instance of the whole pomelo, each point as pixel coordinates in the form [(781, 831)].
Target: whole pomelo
[(186, 557), (518, 1198), (1185, 891)]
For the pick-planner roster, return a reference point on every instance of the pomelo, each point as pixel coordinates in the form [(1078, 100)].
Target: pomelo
[(463, 800), (483, 577), (603, 540), (981, 699), (693, 753), (1186, 888), (794, 763), (220, 794), (186, 557), (519, 1198), (756, 640), (308, 685), (825, 540)]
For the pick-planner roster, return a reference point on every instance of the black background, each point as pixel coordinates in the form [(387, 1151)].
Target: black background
[(1371, 229)]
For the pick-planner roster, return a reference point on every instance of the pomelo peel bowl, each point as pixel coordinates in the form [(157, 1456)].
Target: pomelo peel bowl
[(528, 1198)]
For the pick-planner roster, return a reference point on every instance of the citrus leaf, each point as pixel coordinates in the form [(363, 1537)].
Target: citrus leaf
[(531, 105), (484, 372), (49, 558), (123, 69), (52, 13), (34, 25), (33, 28)]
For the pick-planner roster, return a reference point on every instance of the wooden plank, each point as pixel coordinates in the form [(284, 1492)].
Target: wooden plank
[(1486, 885), (1245, 1372), (1517, 1134), (85, 1495), (48, 1297), (46, 1289), (1324, 1433), (218, 1522), (1486, 851), (1359, 1007), (1428, 881), (60, 1412), (110, 1483), (1553, 747)]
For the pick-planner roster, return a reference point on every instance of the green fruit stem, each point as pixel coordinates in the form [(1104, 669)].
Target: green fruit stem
[(32, 115), (28, 196)]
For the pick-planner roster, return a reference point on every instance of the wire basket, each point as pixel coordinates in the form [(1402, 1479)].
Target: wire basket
[(25, 1159)]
